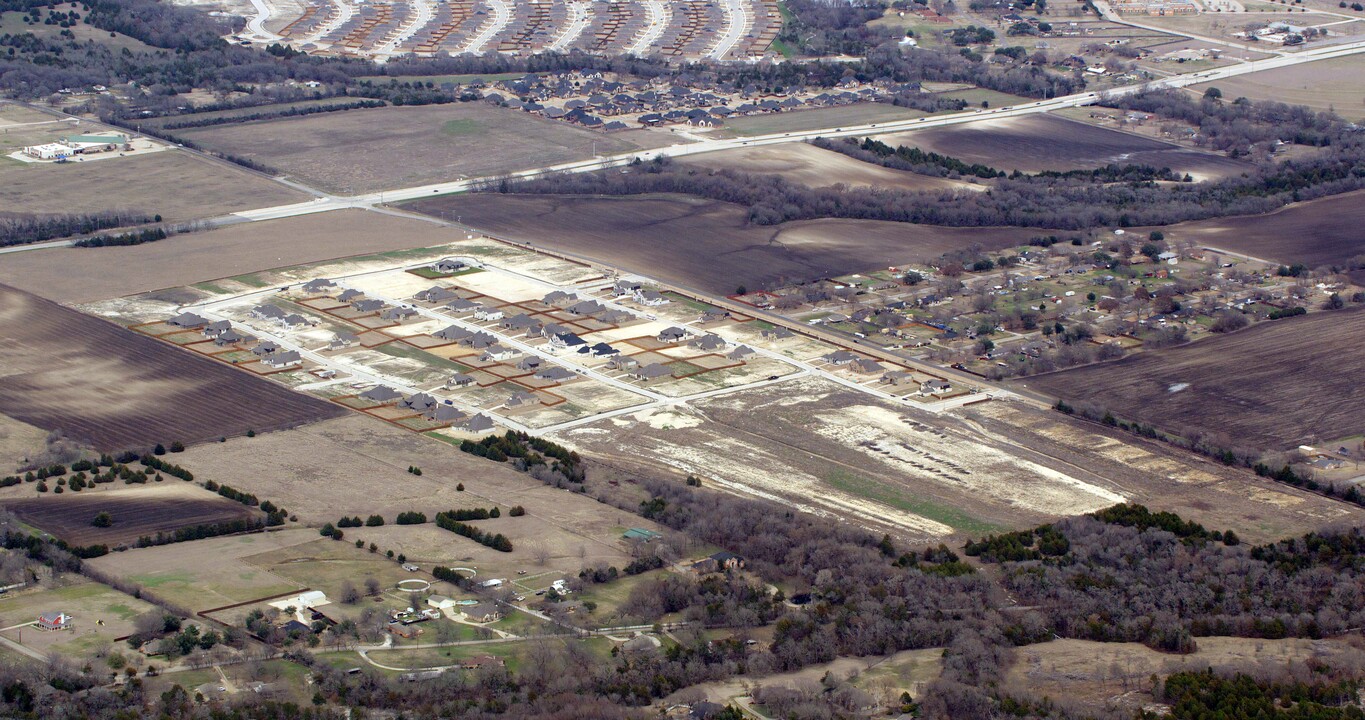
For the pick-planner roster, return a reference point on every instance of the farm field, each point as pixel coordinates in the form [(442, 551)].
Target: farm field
[(205, 574), (814, 167), (1277, 385), (136, 511), (18, 442), (402, 146), (1336, 85), (99, 615), (1048, 142), (326, 470), (1326, 231), (708, 244), (176, 185), (203, 256), (815, 119), (115, 389)]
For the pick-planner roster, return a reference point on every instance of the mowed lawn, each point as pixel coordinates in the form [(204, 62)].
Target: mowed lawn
[(383, 148)]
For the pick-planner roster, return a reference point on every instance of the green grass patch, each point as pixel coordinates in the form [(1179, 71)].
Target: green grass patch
[(462, 127), (430, 274), (212, 288), (870, 489), (251, 280), (675, 297), (408, 352)]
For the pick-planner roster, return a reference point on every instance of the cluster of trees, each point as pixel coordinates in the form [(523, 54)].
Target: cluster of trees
[(298, 111), (549, 461), (497, 541), (1195, 694), (411, 517), (201, 531), (24, 229), (232, 493), (372, 521), (156, 463), (136, 237), (1240, 126)]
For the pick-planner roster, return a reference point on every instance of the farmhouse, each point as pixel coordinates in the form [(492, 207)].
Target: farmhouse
[(381, 394), (283, 360), (54, 621), (187, 320)]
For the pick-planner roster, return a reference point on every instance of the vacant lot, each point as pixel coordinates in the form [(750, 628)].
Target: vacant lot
[(225, 252), (366, 150), (814, 167), (172, 184), (115, 389), (1336, 85), (358, 466), (1275, 386), (1049, 142), (136, 511), (708, 244), (1327, 231)]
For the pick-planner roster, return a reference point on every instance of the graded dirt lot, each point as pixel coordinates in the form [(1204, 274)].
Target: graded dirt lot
[(708, 244), (1336, 85), (175, 185), (376, 149), (811, 166), (116, 389), (358, 466), (1326, 231), (198, 257), (1049, 142), (136, 510), (1277, 385)]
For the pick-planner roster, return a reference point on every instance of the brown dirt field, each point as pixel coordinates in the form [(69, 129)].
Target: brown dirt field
[(116, 389), (1050, 142), (176, 185), (358, 466), (18, 442), (707, 244), (137, 511), (814, 167), (376, 149), (1277, 385), (1326, 231), (198, 257)]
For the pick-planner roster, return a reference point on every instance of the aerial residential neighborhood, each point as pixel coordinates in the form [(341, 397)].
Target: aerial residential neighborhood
[(686, 359)]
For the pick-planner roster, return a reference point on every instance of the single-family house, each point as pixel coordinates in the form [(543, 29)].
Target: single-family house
[(381, 394), (672, 334), (295, 320), (625, 287), (461, 306), (775, 333), (497, 353), (420, 402), (445, 414), (452, 333), (368, 306), (267, 312), (397, 314), (483, 612), (623, 362), (231, 337), (265, 348), (349, 296), (521, 398), (604, 350), (895, 377), (283, 359), (529, 363), (448, 265), (740, 353), (555, 373), (214, 329), (585, 307), (488, 314), (479, 662), (476, 423), (867, 366), (459, 380), (652, 298), (521, 322), (343, 339), (53, 621), (479, 341), (709, 342), (566, 340), (559, 298), (933, 387), (840, 357), (436, 294), (319, 285), (614, 317), (653, 371), (187, 320), (714, 315)]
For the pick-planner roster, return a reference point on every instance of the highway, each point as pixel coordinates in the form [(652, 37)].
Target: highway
[(707, 146)]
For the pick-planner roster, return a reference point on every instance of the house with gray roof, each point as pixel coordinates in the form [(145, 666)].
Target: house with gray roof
[(265, 348), (653, 371), (368, 306), (477, 423), (445, 413), (350, 295), (452, 333), (840, 357), (214, 329), (461, 305), (283, 359), (381, 394), (435, 294), (419, 402), (708, 343), (672, 334), (555, 373), (187, 320), (267, 312), (459, 380), (397, 314)]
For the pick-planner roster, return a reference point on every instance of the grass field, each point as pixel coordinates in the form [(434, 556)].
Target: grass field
[(1277, 385), (13, 23), (117, 389), (1336, 85), (708, 244), (809, 165), (173, 184), (815, 119), (253, 110), (366, 150), (100, 614), (206, 256)]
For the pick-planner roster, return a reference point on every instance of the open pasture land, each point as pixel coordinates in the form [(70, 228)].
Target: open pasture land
[(815, 119), (136, 511), (116, 389), (707, 244), (381, 148), (18, 442), (173, 184), (1336, 85), (199, 257), (99, 614), (1326, 231), (1277, 385), (811, 166), (1049, 142), (358, 466), (205, 574)]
